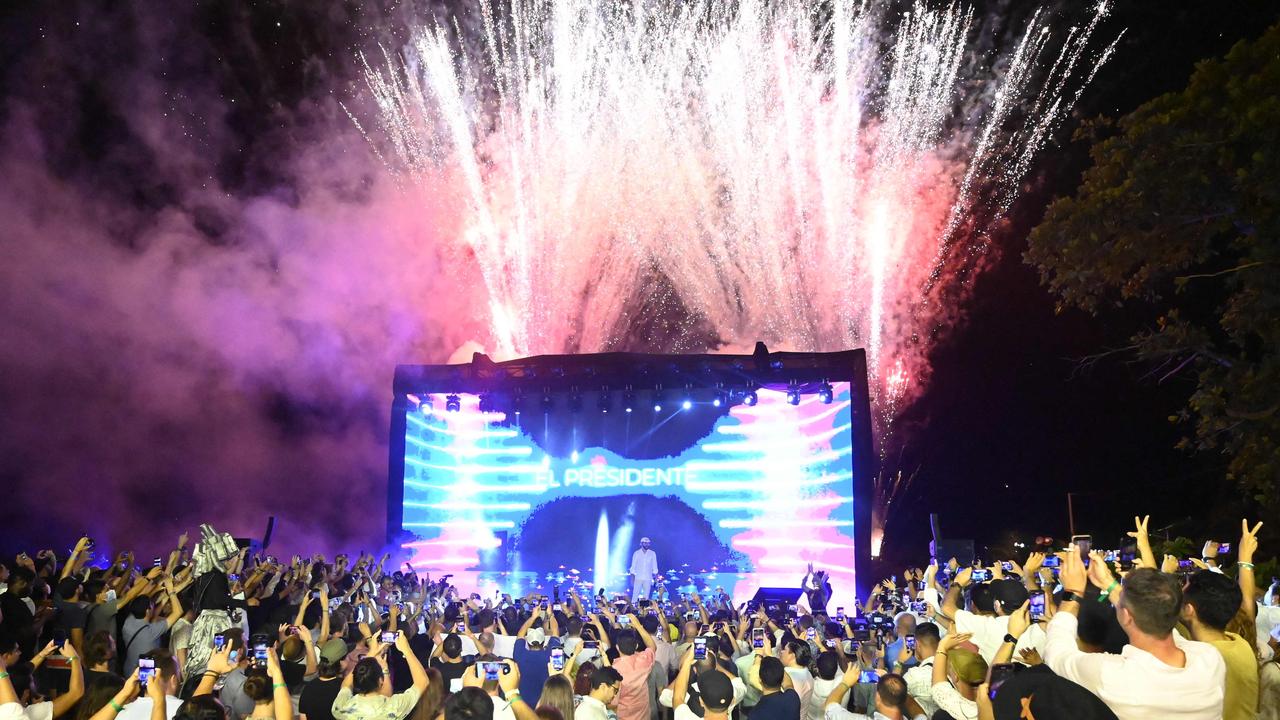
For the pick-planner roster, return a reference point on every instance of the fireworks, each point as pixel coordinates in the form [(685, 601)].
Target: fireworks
[(800, 176)]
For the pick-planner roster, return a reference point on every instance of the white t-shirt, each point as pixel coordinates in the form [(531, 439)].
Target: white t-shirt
[(988, 634), (803, 680), (140, 709), (666, 697), (919, 681), (822, 689), (1135, 684), (1267, 618), (35, 711)]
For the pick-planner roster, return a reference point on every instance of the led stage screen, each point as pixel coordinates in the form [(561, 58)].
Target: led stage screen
[(736, 497)]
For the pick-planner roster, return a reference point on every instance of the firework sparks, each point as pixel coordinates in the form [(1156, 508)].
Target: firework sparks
[(797, 179)]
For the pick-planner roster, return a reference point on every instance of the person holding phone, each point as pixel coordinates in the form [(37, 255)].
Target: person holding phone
[(532, 651), (636, 656), (366, 690), (161, 686)]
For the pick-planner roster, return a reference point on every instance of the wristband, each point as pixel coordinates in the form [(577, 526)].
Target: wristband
[(3, 674), (1106, 593), (116, 706), (1245, 565), (278, 685)]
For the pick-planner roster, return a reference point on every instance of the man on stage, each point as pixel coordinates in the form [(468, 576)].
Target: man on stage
[(644, 570)]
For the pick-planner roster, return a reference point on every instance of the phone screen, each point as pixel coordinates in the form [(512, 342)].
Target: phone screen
[(146, 670), (757, 637), (911, 642), (1036, 605), (624, 621), (590, 644), (699, 648), (389, 638), (869, 676), (810, 633), (59, 637), (557, 659), (840, 613), (491, 670), (1000, 673), (460, 627), (260, 654), (219, 642)]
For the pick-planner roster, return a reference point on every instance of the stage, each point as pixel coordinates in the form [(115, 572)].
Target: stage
[(545, 472)]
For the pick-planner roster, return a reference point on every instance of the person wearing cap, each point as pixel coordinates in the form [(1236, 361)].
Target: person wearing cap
[(318, 695), (958, 670), (644, 570), (532, 652), (1036, 693), (715, 692)]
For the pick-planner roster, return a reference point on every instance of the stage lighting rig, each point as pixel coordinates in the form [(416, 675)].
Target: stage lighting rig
[(548, 402), (628, 400), (453, 403), (657, 400), (575, 401), (603, 402), (721, 399), (825, 393), (750, 399), (793, 394)]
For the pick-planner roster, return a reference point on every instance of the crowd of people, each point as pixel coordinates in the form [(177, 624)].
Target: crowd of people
[(211, 633)]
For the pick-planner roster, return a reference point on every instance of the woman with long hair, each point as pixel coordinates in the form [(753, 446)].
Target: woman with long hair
[(431, 704), (97, 694), (557, 693)]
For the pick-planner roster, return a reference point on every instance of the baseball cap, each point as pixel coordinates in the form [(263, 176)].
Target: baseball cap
[(334, 650), (535, 636), (644, 539), (716, 690), (1037, 692), (968, 664)]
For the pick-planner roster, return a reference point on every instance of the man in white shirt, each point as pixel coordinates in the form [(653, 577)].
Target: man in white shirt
[(644, 569), (891, 698), (1158, 674), (988, 631), (606, 683), (919, 679), (168, 678)]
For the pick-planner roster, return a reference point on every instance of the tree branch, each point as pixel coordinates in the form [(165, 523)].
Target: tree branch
[(1238, 268)]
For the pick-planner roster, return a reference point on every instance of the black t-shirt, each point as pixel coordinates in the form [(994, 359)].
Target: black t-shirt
[(450, 671), (19, 623), (783, 705), (316, 701)]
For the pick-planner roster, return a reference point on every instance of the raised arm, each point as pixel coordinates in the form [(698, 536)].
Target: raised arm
[(127, 694), (645, 637), (680, 688), (951, 603), (76, 553), (1244, 568), (68, 699), (281, 703), (416, 671), (1144, 541), (528, 624)]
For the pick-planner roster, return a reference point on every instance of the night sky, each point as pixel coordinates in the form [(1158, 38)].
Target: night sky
[(158, 355)]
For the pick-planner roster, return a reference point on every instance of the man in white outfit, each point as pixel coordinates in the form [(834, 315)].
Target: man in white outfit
[(644, 569)]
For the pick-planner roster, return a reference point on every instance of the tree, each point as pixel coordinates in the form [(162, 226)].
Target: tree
[(1178, 221)]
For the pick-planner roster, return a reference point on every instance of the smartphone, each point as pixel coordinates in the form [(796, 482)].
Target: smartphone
[(1186, 566), (1224, 548), (156, 562), (982, 575), (869, 676), (292, 630), (146, 671), (1084, 542), (700, 648), (910, 640), (919, 607), (810, 633), (999, 673), (861, 630), (840, 614), (556, 607), (461, 627), (830, 642), (491, 669), (219, 642), (757, 637), (590, 644), (557, 659), (260, 654), (1052, 561), (624, 621), (1035, 605), (1006, 566)]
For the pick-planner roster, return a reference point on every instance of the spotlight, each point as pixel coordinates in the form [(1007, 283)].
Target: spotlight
[(750, 398), (453, 403), (657, 401), (628, 400), (487, 405), (793, 395), (722, 399), (686, 404), (603, 402), (825, 393), (425, 408)]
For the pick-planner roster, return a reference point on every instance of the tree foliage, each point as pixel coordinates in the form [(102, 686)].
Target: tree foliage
[(1179, 218)]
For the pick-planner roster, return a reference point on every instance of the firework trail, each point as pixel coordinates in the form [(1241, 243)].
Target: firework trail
[(798, 177)]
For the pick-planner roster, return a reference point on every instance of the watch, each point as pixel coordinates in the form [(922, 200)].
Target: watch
[(1009, 638), (1069, 596)]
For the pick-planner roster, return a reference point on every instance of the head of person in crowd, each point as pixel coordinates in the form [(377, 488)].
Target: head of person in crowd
[(99, 651), (771, 673), (891, 695), (927, 637), (1007, 596), (10, 651), (1040, 694), (795, 653), (140, 608), (21, 580), (715, 692), (451, 646), (536, 638), (69, 588), (982, 599), (167, 670), (628, 642), (469, 703), (606, 683), (904, 623), (431, 702), (95, 590), (201, 707), (1209, 600), (369, 678), (1150, 603), (827, 666), (557, 693), (332, 655), (97, 695), (582, 678)]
